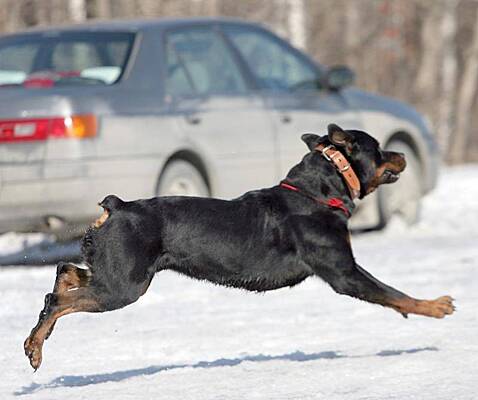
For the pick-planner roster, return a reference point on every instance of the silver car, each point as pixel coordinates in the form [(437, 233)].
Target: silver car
[(209, 107)]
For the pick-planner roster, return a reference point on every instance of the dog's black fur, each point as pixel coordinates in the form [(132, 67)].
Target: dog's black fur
[(263, 240)]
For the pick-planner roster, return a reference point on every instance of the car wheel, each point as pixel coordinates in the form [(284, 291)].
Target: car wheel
[(181, 178), (403, 197)]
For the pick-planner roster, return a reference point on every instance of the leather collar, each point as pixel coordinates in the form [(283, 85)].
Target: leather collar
[(343, 166)]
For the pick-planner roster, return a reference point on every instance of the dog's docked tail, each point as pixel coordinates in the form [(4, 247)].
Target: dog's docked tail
[(111, 203)]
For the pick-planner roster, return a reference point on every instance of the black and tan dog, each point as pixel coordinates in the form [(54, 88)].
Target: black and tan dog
[(263, 240)]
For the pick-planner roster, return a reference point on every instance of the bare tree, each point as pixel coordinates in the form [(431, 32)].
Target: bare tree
[(13, 20), (102, 9), (296, 20), (446, 109), (429, 67), (465, 98), (77, 10), (422, 51)]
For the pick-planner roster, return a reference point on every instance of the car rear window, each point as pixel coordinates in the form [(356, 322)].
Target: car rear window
[(52, 59)]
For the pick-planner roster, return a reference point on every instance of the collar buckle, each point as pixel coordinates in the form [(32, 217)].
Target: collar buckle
[(327, 148)]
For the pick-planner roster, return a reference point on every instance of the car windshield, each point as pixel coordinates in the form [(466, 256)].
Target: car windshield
[(71, 58)]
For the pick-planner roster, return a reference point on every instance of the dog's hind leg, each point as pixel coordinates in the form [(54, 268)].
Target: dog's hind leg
[(56, 306), (78, 290), (354, 281), (72, 292), (68, 277)]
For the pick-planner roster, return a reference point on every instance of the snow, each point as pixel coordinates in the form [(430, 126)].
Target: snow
[(192, 340), (35, 249)]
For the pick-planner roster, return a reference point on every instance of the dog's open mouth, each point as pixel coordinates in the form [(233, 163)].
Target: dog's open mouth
[(390, 176)]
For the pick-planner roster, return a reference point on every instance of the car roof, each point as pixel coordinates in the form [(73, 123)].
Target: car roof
[(132, 25)]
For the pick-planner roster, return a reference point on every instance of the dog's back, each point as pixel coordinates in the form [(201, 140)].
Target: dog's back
[(244, 243)]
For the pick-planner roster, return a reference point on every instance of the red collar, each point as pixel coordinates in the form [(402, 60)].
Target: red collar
[(334, 202)]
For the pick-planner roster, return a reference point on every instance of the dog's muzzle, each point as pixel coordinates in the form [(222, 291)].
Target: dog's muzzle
[(394, 165)]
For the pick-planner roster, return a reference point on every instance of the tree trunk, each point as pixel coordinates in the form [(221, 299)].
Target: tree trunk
[(297, 23), (445, 119), (465, 98), (77, 10), (103, 9), (123, 9), (59, 12), (428, 70), (13, 19)]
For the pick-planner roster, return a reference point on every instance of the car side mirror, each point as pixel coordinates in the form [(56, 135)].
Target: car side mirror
[(338, 77)]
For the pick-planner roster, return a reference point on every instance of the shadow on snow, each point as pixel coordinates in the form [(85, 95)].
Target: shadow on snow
[(118, 376)]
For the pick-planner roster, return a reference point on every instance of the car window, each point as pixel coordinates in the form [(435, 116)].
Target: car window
[(16, 62), (75, 56), (178, 82), (274, 65), (198, 61), (65, 58)]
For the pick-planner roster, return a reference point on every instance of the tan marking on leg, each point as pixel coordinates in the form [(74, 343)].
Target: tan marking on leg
[(66, 303), (34, 343), (437, 308), (71, 277), (101, 220)]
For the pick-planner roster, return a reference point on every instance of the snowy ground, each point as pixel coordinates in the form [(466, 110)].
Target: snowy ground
[(192, 340)]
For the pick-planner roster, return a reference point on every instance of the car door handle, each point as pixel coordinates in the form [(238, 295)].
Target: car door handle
[(193, 119), (285, 118)]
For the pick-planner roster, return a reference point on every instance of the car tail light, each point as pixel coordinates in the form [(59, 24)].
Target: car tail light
[(38, 129)]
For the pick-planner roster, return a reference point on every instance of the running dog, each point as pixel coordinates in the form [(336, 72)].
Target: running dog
[(264, 240)]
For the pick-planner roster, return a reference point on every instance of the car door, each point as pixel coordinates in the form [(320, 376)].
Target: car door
[(287, 80), (219, 116)]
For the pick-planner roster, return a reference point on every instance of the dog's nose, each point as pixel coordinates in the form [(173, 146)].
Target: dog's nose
[(402, 162)]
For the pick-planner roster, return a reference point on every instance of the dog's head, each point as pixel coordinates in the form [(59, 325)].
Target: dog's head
[(372, 165)]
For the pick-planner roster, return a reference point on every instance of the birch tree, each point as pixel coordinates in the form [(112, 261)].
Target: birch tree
[(465, 98), (77, 10), (297, 23), (449, 66)]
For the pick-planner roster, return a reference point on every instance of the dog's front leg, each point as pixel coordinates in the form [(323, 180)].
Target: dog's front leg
[(356, 282)]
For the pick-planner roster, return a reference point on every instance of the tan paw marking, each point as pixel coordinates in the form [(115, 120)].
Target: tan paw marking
[(438, 308), (33, 350)]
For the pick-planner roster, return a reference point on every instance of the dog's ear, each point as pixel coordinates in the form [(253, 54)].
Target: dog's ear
[(311, 140), (338, 136)]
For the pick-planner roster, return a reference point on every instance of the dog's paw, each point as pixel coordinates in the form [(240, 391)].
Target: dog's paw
[(33, 350), (440, 307)]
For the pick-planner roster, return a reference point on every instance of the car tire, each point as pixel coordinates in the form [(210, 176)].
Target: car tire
[(181, 178), (403, 197)]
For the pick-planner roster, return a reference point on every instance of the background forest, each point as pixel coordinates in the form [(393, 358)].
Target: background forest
[(422, 51)]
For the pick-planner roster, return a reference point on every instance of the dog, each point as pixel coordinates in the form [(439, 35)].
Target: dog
[(264, 240)]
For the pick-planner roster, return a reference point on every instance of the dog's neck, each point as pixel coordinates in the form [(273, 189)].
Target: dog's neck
[(319, 177)]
